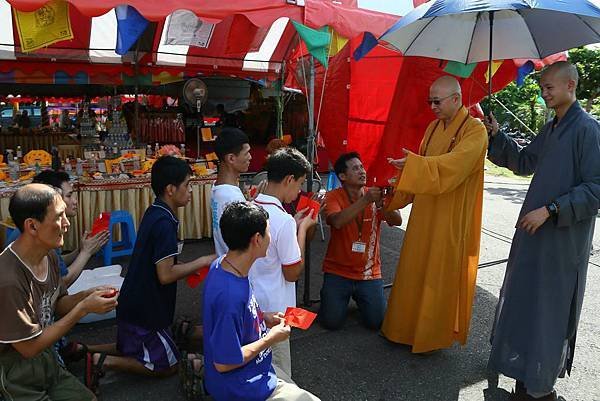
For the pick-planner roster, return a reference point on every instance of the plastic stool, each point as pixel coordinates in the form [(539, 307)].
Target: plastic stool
[(11, 235), (124, 247)]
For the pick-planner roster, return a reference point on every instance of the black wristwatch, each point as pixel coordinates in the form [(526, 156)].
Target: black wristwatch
[(553, 209)]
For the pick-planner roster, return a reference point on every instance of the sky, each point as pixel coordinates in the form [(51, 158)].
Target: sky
[(398, 7)]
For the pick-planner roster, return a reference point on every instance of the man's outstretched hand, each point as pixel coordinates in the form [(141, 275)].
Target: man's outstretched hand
[(399, 163)]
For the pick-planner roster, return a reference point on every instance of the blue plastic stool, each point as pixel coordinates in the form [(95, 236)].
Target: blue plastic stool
[(11, 235), (124, 247)]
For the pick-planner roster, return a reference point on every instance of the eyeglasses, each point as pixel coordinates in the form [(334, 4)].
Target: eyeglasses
[(437, 102)]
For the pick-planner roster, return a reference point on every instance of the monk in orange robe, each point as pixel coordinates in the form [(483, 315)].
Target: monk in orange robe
[(432, 297)]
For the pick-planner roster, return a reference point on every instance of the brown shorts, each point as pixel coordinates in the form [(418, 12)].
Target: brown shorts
[(39, 378)]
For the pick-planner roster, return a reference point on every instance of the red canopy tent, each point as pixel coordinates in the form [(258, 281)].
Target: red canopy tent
[(359, 95)]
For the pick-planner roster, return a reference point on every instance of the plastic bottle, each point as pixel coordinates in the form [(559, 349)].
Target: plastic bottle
[(148, 151), (79, 167), (68, 168), (115, 149), (156, 149), (182, 149), (55, 159), (14, 170), (19, 153)]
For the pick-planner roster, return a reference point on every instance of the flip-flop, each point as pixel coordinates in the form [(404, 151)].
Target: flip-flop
[(93, 372), (182, 330)]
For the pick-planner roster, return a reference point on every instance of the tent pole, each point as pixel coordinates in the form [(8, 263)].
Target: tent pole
[(310, 151)]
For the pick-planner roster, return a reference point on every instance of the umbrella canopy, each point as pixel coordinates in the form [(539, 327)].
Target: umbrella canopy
[(460, 30)]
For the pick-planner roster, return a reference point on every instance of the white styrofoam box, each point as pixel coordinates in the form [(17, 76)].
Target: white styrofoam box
[(106, 275)]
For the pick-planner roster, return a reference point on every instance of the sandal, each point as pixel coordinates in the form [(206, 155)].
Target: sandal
[(93, 373), (182, 330), (192, 376), (73, 352)]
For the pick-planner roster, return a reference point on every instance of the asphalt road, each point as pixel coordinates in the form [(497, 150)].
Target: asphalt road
[(357, 364)]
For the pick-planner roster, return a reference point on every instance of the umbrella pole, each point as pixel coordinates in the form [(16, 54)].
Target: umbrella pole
[(310, 150), (490, 96)]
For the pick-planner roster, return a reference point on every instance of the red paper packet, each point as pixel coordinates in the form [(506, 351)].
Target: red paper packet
[(305, 202), (196, 278), (300, 318), (100, 224), (253, 191)]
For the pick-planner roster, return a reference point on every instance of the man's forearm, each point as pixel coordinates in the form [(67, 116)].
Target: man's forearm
[(249, 352), (182, 270), (70, 257), (50, 335), (74, 269), (346, 216), (67, 303)]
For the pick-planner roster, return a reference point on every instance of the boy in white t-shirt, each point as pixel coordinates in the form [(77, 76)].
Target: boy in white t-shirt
[(233, 150), (273, 277)]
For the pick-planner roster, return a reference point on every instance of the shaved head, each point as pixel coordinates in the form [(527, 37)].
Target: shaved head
[(446, 85), (445, 98), (562, 70), (559, 85)]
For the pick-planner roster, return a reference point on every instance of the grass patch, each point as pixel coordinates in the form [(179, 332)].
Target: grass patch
[(492, 169)]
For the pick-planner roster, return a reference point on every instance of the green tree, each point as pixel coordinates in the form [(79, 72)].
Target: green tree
[(587, 61), (524, 103)]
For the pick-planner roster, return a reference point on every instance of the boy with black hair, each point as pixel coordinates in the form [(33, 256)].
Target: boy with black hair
[(273, 277), (237, 345), (32, 294), (72, 264), (233, 150), (148, 294)]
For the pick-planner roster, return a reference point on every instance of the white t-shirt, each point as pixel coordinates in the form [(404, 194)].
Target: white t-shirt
[(273, 293), (222, 195)]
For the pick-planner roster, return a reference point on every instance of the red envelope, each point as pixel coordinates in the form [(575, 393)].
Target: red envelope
[(298, 317), (196, 278), (312, 204), (253, 191), (100, 224)]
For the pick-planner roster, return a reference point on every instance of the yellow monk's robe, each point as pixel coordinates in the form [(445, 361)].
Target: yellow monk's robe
[(432, 297)]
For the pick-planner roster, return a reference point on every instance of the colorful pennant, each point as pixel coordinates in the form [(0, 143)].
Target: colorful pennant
[(44, 26), (460, 69), (495, 66), (130, 26), (317, 42)]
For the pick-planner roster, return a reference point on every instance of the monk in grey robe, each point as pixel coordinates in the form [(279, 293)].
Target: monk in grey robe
[(533, 337)]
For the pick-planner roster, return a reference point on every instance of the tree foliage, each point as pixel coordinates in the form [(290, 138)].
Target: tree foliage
[(525, 101)]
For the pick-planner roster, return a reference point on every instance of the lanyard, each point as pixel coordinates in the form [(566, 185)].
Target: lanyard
[(360, 219)]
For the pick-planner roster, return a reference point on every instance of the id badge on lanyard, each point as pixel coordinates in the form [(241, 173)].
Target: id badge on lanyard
[(359, 247)]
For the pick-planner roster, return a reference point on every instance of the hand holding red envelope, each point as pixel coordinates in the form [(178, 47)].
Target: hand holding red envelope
[(298, 317), (306, 202), (196, 278), (101, 223)]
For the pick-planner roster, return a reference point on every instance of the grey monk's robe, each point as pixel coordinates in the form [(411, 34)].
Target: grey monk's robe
[(540, 301)]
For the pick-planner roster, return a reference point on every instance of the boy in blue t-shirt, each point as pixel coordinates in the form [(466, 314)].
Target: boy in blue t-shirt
[(147, 300), (237, 345)]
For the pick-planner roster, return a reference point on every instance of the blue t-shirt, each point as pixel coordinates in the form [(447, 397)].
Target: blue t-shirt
[(62, 266), (232, 319), (143, 300)]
